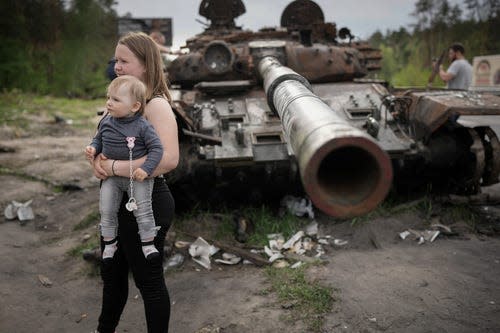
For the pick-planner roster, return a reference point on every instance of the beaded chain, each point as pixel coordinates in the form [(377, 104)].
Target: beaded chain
[(131, 204)]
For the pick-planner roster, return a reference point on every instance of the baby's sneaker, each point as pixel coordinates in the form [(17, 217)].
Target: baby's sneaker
[(110, 248), (149, 250)]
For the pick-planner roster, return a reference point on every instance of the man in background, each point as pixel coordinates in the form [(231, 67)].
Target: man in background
[(159, 38), (459, 74)]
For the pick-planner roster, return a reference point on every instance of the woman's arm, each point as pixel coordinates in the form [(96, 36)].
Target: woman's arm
[(159, 113), (104, 167)]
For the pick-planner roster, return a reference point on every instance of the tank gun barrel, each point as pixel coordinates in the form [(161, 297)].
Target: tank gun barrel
[(343, 170)]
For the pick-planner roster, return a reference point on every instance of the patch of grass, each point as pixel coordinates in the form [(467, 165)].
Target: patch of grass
[(308, 301), (87, 221), (463, 213), (391, 207), (77, 250), (56, 188), (92, 267), (216, 225), (425, 206), (383, 209), (23, 175), (17, 109), (225, 227), (265, 222)]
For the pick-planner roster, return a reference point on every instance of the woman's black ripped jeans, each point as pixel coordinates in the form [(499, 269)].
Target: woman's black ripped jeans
[(148, 275)]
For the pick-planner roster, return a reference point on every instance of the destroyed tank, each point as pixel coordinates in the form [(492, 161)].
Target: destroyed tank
[(290, 110)]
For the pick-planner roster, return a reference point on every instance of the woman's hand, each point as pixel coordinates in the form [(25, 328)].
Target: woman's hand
[(99, 171)]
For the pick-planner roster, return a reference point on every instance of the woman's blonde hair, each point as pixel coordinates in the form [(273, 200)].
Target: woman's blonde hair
[(135, 87), (146, 50)]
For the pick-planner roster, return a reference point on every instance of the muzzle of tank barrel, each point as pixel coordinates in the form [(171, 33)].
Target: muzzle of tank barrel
[(343, 170)]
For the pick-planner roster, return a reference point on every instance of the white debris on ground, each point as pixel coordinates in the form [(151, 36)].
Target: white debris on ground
[(228, 259), (304, 246), (201, 252), (421, 236), (22, 211), (174, 261), (298, 206)]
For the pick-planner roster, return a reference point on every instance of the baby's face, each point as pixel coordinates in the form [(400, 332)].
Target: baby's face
[(120, 103)]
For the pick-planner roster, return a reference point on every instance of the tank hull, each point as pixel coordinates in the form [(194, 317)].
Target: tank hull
[(288, 111)]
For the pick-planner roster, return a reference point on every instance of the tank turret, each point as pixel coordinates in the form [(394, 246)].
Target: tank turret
[(290, 110)]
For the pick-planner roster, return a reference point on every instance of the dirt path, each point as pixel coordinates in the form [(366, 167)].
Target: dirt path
[(450, 285)]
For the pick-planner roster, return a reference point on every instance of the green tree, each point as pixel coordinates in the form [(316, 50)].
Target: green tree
[(482, 10), (87, 44), (438, 23), (29, 30), (55, 46)]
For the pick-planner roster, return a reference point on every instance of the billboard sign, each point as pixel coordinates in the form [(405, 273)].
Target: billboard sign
[(147, 25), (486, 71)]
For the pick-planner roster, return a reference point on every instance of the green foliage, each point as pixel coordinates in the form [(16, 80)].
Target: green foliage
[(77, 73), (463, 213), (55, 46), (266, 222), (263, 221), (309, 301), (407, 56), (62, 47), (87, 221), (411, 75), (18, 109), (78, 250)]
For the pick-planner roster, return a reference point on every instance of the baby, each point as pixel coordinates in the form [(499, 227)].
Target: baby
[(123, 134)]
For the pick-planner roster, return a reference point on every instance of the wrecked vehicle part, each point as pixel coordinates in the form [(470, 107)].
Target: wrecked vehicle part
[(248, 105), (343, 170)]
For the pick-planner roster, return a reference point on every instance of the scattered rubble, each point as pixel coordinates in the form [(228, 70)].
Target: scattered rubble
[(45, 281), (303, 247), (421, 236), (22, 211), (174, 261)]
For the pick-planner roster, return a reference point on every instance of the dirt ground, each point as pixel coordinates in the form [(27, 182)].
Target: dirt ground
[(382, 283)]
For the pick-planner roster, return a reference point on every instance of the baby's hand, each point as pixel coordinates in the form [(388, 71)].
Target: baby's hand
[(140, 174), (90, 153)]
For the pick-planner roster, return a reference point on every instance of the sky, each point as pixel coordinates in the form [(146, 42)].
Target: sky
[(362, 17)]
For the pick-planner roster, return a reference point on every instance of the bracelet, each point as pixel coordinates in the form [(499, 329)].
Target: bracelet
[(113, 167)]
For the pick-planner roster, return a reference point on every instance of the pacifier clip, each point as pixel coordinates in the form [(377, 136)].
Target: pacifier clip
[(131, 205)]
